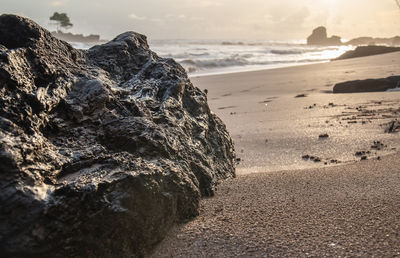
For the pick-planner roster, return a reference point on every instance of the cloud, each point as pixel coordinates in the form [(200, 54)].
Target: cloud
[(135, 17), (170, 16), (209, 4), (58, 3)]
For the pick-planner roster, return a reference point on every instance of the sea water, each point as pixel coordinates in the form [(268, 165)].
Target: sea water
[(202, 57)]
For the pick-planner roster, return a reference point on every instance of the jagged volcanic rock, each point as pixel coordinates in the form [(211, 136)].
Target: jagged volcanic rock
[(101, 151)]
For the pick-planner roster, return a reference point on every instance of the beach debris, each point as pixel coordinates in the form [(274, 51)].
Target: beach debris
[(303, 95), (377, 145), (226, 107), (393, 127), (312, 158), (364, 158), (238, 160), (318, 159), (362, 153), (323, 136), (206, 91), (311, 106)]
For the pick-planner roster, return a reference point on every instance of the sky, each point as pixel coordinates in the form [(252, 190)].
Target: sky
[(217, 19)]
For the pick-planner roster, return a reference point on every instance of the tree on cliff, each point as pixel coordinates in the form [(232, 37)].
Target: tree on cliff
[(62, 20)]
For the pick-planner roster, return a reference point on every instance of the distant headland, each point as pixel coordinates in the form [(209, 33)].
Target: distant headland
[(320, 37), (69, 37)]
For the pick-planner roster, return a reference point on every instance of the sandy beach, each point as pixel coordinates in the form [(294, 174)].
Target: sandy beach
[(301, 188), (341, 211), (273, 129)]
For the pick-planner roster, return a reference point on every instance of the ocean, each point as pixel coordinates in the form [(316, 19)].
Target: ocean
[(204, 57)]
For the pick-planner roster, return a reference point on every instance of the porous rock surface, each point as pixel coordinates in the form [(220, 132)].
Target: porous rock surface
[(101, 151)]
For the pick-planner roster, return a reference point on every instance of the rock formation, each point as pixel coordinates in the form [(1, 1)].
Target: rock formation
[(395, 41), (368, 51), (319, 36), (101, 151), (369, 85)]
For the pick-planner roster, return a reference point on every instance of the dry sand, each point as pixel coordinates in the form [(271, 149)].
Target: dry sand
[(283, 205)]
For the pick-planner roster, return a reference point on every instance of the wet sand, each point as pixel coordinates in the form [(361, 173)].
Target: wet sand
[(301, 188), (351, 210)]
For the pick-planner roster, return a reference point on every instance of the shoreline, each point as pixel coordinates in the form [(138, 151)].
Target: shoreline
[(273, 128), (263, 68), (317, 173), (266, 69)]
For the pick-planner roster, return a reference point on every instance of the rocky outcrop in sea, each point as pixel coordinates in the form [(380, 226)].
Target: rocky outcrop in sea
[(319, 37), (101, 151)]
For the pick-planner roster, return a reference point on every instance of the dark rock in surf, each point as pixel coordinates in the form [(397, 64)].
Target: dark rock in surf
[(367, 51), (101, 151), (369, 85), (394, 41)]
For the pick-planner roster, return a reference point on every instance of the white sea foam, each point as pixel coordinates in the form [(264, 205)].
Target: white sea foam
[(213, 56)]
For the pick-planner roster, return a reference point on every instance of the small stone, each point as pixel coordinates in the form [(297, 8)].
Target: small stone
[(360, 153), (301, 96)]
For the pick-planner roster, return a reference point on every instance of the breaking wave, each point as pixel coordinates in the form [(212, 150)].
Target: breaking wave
[(213, 56)]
